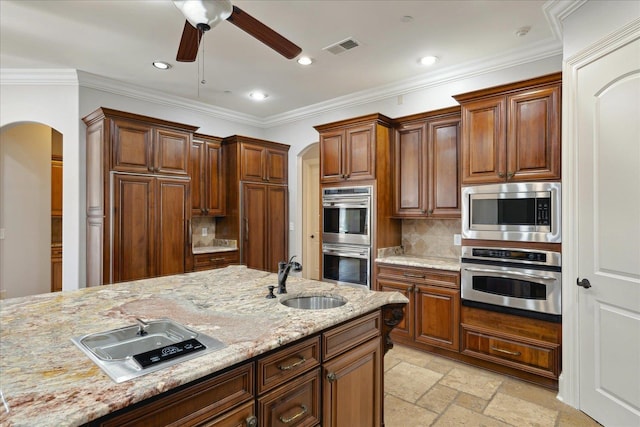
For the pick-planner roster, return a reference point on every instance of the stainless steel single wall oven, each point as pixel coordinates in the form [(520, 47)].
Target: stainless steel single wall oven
[(346, 264), (524, 211), (346, 215), (517, 281)]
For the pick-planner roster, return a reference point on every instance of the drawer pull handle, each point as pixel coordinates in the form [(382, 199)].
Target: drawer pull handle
[(216, 259), (415, 276), (294, 365), (510, 353), (296, 416)]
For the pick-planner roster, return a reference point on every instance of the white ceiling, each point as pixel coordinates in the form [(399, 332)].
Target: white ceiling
[(120, 38)]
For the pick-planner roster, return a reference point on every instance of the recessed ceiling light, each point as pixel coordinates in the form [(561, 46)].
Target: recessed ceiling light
[(523, 31), (258, 96), (161, 65), (428, 60), (305, 60)]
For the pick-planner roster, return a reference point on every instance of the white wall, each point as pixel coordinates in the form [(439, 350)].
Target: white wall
[(25, 210), (300, 134), (55, 104)]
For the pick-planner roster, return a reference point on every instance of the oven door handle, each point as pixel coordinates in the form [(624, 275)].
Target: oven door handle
[(361, 203), (507, 273), (360, 255)]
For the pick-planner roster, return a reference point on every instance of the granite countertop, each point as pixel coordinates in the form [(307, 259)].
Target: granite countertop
[(46, 380), (451, 264)]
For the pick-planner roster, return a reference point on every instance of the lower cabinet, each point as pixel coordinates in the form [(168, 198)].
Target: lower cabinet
[(56, 268), (213, 260), (432, 316), (333, 378)]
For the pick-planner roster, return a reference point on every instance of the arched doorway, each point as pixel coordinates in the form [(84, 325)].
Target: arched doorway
[(30, 209)]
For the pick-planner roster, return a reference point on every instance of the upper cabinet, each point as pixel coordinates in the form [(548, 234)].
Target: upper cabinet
[(261, 162), (348, 148), (207, 176), (426, 171), (142, 147), (512, 133)]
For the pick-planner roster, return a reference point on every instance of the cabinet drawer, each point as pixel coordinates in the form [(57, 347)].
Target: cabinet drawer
[(215, 260), (295, 403), (241, 416), (448, 279), (194, 404), (348, 336), (274, 370), (538, 357)]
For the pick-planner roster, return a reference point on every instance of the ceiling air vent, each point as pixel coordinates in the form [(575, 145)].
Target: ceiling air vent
[(342, 46)]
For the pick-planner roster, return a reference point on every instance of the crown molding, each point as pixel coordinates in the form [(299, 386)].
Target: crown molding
[(557, 11), (38, 77)]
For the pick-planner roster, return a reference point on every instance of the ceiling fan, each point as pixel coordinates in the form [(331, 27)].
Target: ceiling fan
[(202, 15)]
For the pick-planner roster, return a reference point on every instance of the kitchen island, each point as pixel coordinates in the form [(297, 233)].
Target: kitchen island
[(46, 380)]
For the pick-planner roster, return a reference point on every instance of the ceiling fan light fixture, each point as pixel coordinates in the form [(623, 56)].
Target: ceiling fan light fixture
[(161, 65), (258, 95), (204, 12)]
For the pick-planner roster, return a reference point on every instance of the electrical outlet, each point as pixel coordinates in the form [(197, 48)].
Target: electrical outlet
[(291, 226), (204, 231), (457, 239)]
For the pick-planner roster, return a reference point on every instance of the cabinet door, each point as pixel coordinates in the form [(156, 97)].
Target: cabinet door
[(437, 316), (171, 152), (533, 135), (214, 181), (352, 392), (276, 248), (484, 141), (277, 167), (444, 172), (254, 225), (172, 213), (410, 161), (133, 227), (252, 159), (197, 168), (403, 331), (332, 156), (56, 188), (132, 147), (56, 269), (360, 153)]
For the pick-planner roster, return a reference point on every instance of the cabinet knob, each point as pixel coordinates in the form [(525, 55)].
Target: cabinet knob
[(331, 376), (422, 211), (430, 211), (252, 421), (501, 174), (510, 175)]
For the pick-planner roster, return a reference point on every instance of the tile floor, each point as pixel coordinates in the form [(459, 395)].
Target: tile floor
[(427, 390)]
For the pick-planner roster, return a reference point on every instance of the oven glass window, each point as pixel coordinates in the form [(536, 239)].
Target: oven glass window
[(345, 220), (510, 287), (504, 211), (345, 269)]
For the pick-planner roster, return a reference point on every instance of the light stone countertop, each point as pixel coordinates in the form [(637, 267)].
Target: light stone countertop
[(212, 249), (47, 381), (450, 264)]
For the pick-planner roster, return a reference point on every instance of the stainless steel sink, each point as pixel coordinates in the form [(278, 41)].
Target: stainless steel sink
[(314, 302), (136, 350)]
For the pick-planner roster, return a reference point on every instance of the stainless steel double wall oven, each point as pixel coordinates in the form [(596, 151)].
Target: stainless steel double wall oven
[(346, 235)]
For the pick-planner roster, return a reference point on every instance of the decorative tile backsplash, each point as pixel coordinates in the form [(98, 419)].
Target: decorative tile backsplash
[(197, 225), (431, 237)]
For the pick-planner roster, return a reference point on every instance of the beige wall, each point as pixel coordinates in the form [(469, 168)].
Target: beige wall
[(25, 210)]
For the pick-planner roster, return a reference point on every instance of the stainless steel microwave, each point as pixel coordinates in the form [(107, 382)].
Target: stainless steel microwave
[(523, 211)]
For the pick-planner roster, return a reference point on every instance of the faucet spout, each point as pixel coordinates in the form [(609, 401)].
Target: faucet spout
[(283, 272)]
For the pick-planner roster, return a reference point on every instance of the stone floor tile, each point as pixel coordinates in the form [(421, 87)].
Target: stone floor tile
[(458, 416), (438, 398), (531, 392), (413, 356), (570, 417), (520, 412), (471, 402), (398, 413), (477, 382), (409, 382)]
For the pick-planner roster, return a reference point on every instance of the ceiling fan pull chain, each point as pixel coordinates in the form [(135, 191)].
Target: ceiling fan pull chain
[(203, 81)]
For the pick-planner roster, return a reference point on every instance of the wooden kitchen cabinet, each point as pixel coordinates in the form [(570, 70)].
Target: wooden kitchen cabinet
[(209, 261), (150, 226), (426, 166), (56, 268), (512, 133), (142, 147), (349, 149), (432, 317), (138, 196), (56, 187), (208, 195), (257, 209)]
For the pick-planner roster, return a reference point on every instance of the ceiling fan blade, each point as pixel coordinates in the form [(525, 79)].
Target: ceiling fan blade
[(266, 35), (189, 43)]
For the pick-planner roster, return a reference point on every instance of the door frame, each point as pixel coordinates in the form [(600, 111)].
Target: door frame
[(569, 381), (311, 153)]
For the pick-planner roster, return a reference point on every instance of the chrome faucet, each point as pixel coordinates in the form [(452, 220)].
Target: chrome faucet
[(142, 327), (283, 273)]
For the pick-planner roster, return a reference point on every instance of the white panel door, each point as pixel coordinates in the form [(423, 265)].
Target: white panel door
[(608, 215)]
